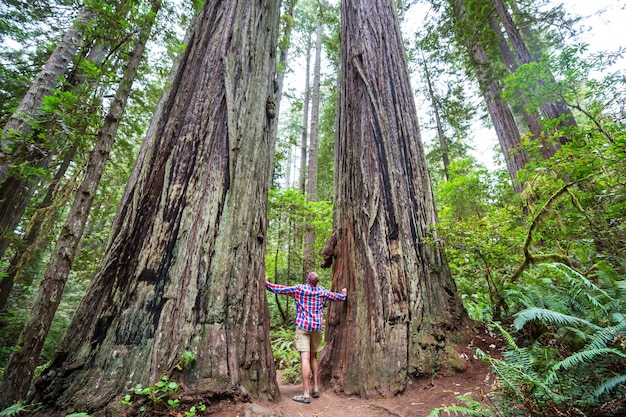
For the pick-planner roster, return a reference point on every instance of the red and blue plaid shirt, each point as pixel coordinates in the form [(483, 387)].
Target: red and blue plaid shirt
[(309, 303)]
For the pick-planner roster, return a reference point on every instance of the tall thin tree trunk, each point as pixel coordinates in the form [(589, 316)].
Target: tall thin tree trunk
[(402, 304), (19, 126), (31, 242), (311, 185), (501, 116), (17, 189), (282, 61), (22, 363), (184, 267), (305, 121), (442, 139)]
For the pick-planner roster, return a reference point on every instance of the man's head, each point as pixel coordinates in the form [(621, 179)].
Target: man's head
[(312, 278)]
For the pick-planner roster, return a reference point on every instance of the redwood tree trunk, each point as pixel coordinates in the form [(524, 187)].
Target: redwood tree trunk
[(531, 119), (501, 116), (308, 255), (305, 120), (183, 270), (490, 86), (402, 307), (35, 236), (284, 44), (552, 110), (19, 125), (442, 139)]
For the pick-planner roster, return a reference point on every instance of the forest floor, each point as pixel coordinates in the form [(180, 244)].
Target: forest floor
[(418, 400)]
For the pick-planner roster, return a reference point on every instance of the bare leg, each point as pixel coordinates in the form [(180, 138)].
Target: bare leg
[(314, 369), (305, 361)]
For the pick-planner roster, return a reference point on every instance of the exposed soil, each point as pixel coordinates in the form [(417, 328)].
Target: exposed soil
[(417, 401)]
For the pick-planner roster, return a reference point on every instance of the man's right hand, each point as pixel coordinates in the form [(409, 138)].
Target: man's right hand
[(344, 291)]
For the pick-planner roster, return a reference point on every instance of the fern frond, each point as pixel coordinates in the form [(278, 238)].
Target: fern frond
[(584, 357), (601, 338), (474, 408), (549, 316), (507, 336), (609, 385), (583, 292)]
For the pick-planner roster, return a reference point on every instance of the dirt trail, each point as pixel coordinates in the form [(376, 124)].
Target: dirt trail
[(418, 400)]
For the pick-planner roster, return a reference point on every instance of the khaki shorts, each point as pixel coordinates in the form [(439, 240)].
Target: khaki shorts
[(308, 341)]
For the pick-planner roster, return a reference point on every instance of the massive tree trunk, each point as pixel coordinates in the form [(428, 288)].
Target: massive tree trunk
[(183, 270), (23, 361), (402, 308)]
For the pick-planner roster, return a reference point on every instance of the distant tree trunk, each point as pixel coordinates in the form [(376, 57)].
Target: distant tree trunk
[(511, 63), (305, 121), (284, 44), (402, 307), (19, 126), (17, 189), (442, 139), (311, 184), (32, 242), (552, 110), (183, 270), (499, 112), (22, 363), (503, 121)]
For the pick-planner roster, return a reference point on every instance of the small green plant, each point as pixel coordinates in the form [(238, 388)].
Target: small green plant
[(160, 395), (186, 361), (14, 410), (472, 408), (156, 394), (194, 409)]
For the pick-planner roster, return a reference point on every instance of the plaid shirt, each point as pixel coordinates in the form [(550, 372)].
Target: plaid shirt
[(309, 303)]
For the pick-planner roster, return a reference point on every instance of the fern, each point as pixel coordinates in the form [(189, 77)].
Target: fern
[(549, 316), (603, 337), (609, 385), (556, 374), (473, 408), (585, 357)]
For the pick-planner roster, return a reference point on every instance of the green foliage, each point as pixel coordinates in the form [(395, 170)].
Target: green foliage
[(15, 410), (156, 393), (483, 235), (568, 356), (160, 395), (472, 408), (286, 357), (290, 217), (186, 361)]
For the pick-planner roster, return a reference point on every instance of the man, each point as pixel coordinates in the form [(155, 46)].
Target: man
[(310, 300)]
